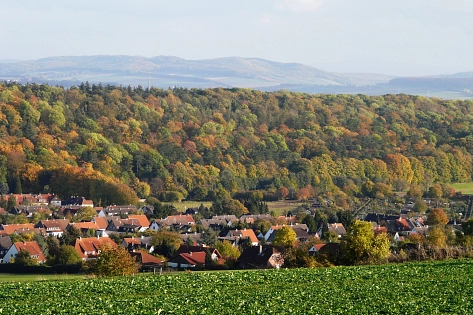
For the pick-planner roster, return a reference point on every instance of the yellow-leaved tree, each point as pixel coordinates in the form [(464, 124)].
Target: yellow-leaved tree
[(114, 261), (361, 246)]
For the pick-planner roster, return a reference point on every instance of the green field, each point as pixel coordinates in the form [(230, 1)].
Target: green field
[(420, 288), (183, 206), (283, 206), (279, 207), (29, 278), (465, 188)]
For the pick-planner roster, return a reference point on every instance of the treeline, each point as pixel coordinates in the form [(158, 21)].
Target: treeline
[(111, 142)]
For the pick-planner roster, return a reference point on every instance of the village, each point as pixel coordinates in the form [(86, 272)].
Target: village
[(47, 217)]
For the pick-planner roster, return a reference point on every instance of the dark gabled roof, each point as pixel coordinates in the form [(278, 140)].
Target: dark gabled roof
[(378, 217), (5, 242), (258, 255)]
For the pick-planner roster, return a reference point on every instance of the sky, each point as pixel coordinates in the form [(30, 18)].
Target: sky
[(396, 37)]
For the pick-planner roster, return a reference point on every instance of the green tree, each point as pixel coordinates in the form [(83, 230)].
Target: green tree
[(419, 206), (114, 261), (227, 250), (165, 243), (209, 237), (85, 214), (361, 246), (70, 235), (468, 227), (285, 237), (23, 258), (67, 255)]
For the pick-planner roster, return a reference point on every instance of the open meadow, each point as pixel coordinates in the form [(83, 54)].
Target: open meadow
[(465, 188), (414, 288)]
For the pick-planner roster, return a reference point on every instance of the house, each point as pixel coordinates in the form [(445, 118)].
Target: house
[(140, 220), (69, 211), (401, 226), (55, 201), (113, 224), (315, 249), (100, 212), (145, 260), (195, 237), (87, 228), (188, 260), (28, 211), (379, 218), (193, 256), (251, 218), (5, 244), (143, 242), (17, 228), (245, 233), (301, 230), (129, 228), (3, 211), (178, 222), (262, 256), (53, 227), (133, 224), (31, 247), (101, 222), (131, 243), (147, 209), (331, 251), (77, 201), (120, 210), (89, 248), (216, 222), (337, 228)]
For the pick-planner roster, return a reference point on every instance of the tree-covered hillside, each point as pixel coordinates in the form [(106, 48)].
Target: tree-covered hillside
[(114, 144)]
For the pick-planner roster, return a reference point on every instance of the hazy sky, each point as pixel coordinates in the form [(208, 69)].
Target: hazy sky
[(399, 37)]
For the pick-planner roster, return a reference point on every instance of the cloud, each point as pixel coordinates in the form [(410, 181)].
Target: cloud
[(300, 6)]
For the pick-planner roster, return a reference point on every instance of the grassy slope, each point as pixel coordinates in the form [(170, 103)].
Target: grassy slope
[(417, 288), (465, 188)]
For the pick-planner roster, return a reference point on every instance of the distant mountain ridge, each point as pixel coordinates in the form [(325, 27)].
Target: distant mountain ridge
[(255, 73), (228, 71)]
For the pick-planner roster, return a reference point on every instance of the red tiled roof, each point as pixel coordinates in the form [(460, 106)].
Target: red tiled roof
[(403, 224), (88, 247), (246, 233), (147, 259), (194, 258), (101, 222), (11, 228), (132, 240), (32, 248), (140, 218), (85, 225)]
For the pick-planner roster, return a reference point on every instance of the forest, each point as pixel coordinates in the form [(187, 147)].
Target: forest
[(116, 144)]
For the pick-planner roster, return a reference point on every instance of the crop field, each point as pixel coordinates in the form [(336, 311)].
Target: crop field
[(420, 288)]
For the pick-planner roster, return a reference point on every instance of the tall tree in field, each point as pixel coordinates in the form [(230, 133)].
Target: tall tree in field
[(361, 246), (285, 237), (114, 261)]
